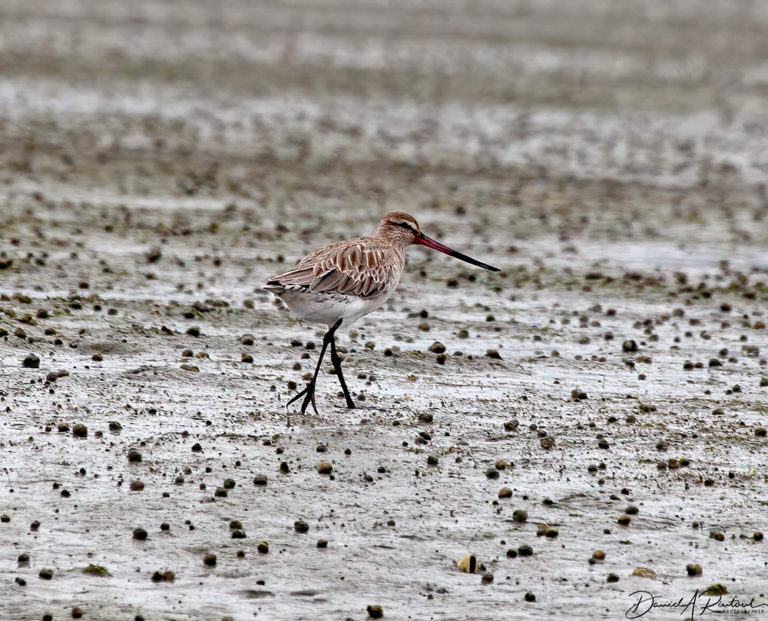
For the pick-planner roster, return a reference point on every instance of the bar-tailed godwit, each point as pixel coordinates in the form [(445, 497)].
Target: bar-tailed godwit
[(341, 282)]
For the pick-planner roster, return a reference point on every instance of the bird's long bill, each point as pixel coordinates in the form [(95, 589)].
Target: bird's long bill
[(436, 245)]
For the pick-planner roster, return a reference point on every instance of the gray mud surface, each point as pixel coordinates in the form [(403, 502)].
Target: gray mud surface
[(159, 160)]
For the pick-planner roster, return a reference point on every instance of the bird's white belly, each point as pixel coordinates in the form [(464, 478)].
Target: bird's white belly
[(328, 308)]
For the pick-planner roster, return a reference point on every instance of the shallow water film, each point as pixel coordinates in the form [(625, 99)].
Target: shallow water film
[(586, 430)]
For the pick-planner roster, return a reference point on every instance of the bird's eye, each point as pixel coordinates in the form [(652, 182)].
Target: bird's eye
[(404, 225)]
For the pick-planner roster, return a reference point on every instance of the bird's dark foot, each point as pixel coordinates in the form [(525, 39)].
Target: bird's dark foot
[(309, 397)]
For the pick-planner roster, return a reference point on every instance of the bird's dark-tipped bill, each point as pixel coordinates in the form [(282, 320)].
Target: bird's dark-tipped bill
[(436, 245)]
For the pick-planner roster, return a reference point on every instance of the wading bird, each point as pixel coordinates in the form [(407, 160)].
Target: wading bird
[(341, 282)]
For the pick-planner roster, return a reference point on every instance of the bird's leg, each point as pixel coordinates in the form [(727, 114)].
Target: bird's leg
[(337, 366), (309, 391)]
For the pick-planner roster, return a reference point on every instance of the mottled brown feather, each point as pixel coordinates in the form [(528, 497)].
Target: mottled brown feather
[(364, 267)]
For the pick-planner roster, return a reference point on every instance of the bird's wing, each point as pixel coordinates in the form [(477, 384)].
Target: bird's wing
[(355, 267)]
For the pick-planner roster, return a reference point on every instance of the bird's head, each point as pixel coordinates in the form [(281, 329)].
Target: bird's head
[(401, 228)]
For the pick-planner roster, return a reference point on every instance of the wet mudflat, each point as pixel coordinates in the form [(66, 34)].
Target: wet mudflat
[(160, 161)]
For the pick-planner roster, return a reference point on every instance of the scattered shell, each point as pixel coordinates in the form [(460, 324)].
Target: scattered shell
[(468, 564), (520, 515), (31, 362), (139, 534), (644, 572), (96, 570), (492, 473), (578, 395), (693, 569), (525, 550), (209, 560)]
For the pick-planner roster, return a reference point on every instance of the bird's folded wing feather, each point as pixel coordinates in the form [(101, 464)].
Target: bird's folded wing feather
[(347, 268)]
